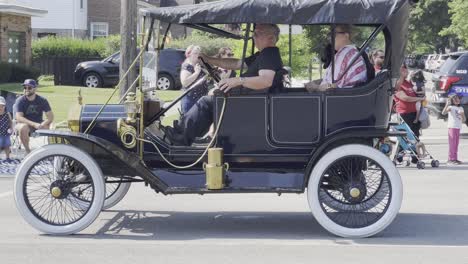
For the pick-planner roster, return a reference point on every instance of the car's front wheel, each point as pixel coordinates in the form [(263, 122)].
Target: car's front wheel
[(51, 184), (354, 191), (92, 80), (165, 82)]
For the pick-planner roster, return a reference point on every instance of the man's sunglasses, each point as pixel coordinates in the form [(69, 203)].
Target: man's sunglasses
[(28, 87)]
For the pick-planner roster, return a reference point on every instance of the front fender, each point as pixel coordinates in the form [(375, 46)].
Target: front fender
[(112, 159)]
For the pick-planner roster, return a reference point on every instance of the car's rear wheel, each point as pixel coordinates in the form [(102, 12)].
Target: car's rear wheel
[(165, 82), (50, 185), (116, 189), (92, 80), (354, 191)]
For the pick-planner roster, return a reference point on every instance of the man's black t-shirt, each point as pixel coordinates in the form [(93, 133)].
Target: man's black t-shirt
[(267, 59)]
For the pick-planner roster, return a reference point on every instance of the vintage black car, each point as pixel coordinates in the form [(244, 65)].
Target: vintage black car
[(285, 142)]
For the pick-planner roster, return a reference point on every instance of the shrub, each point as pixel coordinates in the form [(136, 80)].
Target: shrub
[(19, 73), (5, 72), (208, 44), (301, 54)]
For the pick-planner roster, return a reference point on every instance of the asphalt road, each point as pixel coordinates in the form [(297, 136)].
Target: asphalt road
[(146, 227)]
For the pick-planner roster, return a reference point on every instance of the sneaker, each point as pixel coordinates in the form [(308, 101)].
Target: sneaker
[(452, 162), (458, 162)]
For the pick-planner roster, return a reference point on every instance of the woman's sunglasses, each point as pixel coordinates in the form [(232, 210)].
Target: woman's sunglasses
[(28, 87), (230, 54)]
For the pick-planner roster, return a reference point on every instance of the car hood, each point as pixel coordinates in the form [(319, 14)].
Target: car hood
[(89, 63)]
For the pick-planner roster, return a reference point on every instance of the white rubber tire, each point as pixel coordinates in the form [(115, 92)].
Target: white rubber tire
[(117, 196), (93, 169), (353, 150)]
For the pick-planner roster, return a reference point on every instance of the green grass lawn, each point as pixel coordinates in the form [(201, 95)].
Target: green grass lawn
[(62, 97)]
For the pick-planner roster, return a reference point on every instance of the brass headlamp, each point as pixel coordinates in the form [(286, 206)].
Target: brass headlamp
[(131, 108), (126, 129)]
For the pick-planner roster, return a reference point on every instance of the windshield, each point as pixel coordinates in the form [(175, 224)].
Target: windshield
[(114, 57)]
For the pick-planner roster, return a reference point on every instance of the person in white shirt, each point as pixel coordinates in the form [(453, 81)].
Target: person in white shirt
[(346, 52), (456, 117)]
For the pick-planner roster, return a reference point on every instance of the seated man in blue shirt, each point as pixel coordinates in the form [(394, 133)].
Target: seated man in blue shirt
[(30, 109)]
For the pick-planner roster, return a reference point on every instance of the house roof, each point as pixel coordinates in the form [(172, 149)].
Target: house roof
[(21, 10)]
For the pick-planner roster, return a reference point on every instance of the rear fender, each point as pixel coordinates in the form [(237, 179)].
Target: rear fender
[(364, 137), (112, 159)]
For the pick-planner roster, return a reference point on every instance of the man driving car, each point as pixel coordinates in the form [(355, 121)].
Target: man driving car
[(260, 75)]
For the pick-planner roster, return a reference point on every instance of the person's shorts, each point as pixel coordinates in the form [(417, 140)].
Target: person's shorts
[(5, 142), (20, 125)]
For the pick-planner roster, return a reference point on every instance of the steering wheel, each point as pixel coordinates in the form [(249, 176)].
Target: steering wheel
[(211, 71)]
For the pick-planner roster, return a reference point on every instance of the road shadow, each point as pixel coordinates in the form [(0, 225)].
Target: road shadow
[(407, 229)]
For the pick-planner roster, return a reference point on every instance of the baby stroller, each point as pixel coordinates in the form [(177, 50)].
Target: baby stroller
[(406, 148)]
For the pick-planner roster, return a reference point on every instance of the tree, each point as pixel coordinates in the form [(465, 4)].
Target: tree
[(458, 10), (427, 20)]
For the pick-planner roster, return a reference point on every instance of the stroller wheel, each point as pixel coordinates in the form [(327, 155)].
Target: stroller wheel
[(421, 165), (435, 163), (399, 159)]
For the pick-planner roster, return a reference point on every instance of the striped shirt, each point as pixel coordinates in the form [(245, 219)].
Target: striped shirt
[(355, 75)]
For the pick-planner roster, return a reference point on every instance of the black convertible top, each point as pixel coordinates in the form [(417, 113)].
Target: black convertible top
[(394, 14), (298, 12)]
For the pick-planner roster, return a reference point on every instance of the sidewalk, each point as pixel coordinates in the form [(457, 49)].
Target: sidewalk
[(8, 169)]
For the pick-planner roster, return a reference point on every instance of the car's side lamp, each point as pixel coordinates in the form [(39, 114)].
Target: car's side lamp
[(131, 108)]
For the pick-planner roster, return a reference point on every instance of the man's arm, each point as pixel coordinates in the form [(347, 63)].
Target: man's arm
[(21, 119), (49, 119), (262, 81)]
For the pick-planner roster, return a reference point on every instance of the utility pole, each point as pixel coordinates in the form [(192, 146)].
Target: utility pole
[(128, 42)]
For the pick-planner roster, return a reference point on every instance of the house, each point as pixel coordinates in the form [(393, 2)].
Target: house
[(88, 18), (15, 31)]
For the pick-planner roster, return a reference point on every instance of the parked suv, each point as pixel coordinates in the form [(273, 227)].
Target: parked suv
[(452, 78), (106, 72)]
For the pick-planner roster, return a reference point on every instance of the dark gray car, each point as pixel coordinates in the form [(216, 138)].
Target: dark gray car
[(106, 72)]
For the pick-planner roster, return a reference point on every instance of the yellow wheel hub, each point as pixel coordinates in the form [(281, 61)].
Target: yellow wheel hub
[(56, 192), (354, 192)]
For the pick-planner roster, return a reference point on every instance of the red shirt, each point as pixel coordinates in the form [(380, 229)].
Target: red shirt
[(401, 106)]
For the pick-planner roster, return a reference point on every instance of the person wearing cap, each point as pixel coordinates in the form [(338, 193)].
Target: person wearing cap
[(6, 127), (30, 109)]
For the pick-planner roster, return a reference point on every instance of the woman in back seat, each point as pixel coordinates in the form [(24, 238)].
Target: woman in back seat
[(346, 52)]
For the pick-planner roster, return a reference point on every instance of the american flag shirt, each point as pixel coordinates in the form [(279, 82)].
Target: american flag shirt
[(356, 74)]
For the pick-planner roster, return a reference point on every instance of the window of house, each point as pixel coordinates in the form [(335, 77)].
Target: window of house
[(99, 30), (46, 34), (81, 4), (16, 47)]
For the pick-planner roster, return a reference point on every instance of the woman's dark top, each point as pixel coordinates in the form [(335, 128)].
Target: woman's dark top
[(196, 92)]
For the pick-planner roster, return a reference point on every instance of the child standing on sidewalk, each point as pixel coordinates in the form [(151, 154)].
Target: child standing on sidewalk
[(456, 117), (6, 127)]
